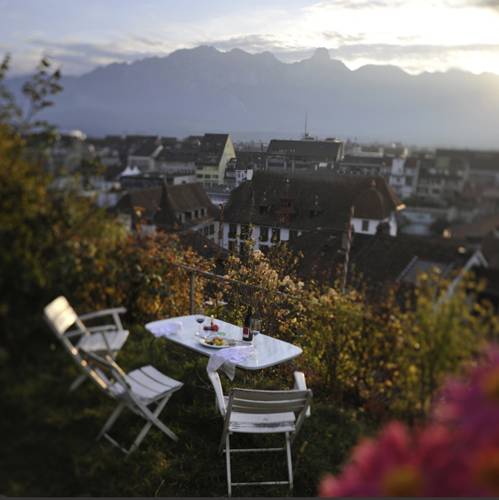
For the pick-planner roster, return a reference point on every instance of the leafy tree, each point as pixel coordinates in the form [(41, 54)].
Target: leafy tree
[(38, 92)]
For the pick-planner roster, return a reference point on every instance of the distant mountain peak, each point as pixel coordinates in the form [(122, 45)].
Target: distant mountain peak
[(204, 49), (200, 89), (321, 54), (238, 51)]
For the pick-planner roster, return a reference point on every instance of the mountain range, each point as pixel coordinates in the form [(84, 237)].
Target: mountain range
[(257, 96)]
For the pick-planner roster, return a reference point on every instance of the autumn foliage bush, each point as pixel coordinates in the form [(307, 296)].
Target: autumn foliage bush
[(58, 242), (385, 357)]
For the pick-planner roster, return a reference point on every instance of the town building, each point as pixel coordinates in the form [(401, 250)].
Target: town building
[(381, 261), (144, 152), (107, 151), (215, 151), (480, 168), (151, 179), (474, 232), (176, 160), (403, 176), (274, 207), (364, 165), (366, 150), (303, 155), (426, 217), (171, 208)]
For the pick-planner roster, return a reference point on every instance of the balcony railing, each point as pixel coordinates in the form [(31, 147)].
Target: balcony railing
[(195, 273)]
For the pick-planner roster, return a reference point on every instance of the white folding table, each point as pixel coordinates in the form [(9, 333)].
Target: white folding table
[(267, 352)]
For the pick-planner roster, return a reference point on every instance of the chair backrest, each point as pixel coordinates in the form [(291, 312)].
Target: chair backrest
[(217, 385), (60, 316), (265, 402)]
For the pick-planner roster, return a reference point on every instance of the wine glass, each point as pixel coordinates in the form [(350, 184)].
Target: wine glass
[(256, 326), (200, 317)]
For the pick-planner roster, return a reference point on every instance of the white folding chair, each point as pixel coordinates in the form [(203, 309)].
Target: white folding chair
[(262, 412), (145, 391), (107, 338)]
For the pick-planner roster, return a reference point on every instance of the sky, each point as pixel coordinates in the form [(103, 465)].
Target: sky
[(416, 35)]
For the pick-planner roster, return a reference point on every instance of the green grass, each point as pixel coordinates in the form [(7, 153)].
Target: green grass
[(48, 434)]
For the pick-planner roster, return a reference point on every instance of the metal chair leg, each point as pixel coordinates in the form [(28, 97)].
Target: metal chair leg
[(78, 381), (150, 423), (227, 457), (290, 463), (111, 420)]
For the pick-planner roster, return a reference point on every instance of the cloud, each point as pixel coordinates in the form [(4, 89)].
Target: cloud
[(487, 4), (83, 49), (494, 4), (351, 47), (79, 57), (359, 4), (252, 43), (355, 51), (415, 58), (394, 51), (340, 38)]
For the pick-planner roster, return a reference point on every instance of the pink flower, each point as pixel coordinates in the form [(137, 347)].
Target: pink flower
[(378, 467), (424, 463), (472, 407), (445, 469), (455, 455)]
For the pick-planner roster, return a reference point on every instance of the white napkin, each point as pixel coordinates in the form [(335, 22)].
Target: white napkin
[(226, 359), (166, 328)]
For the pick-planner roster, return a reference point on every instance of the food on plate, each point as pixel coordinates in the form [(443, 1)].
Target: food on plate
[(217, 341)]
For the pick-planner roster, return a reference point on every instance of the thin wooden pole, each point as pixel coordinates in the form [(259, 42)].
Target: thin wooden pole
[(347, 244), (192, 291)]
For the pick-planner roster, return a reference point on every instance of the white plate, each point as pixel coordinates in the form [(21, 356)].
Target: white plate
[(203, 341)]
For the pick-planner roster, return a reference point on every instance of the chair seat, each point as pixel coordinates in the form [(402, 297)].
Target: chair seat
[(147, 383), (95, 342), (262, 423)]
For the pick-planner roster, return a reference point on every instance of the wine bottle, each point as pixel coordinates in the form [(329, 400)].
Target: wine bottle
[(247, 333)]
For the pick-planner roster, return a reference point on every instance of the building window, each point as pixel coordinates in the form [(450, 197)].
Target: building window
[(245, 231), (196, 214), (188, 216), (232, 246), (293, 234), (264, 233), (276, 235), (206, 230), (232, 230), (212, 229), (365, 226)]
